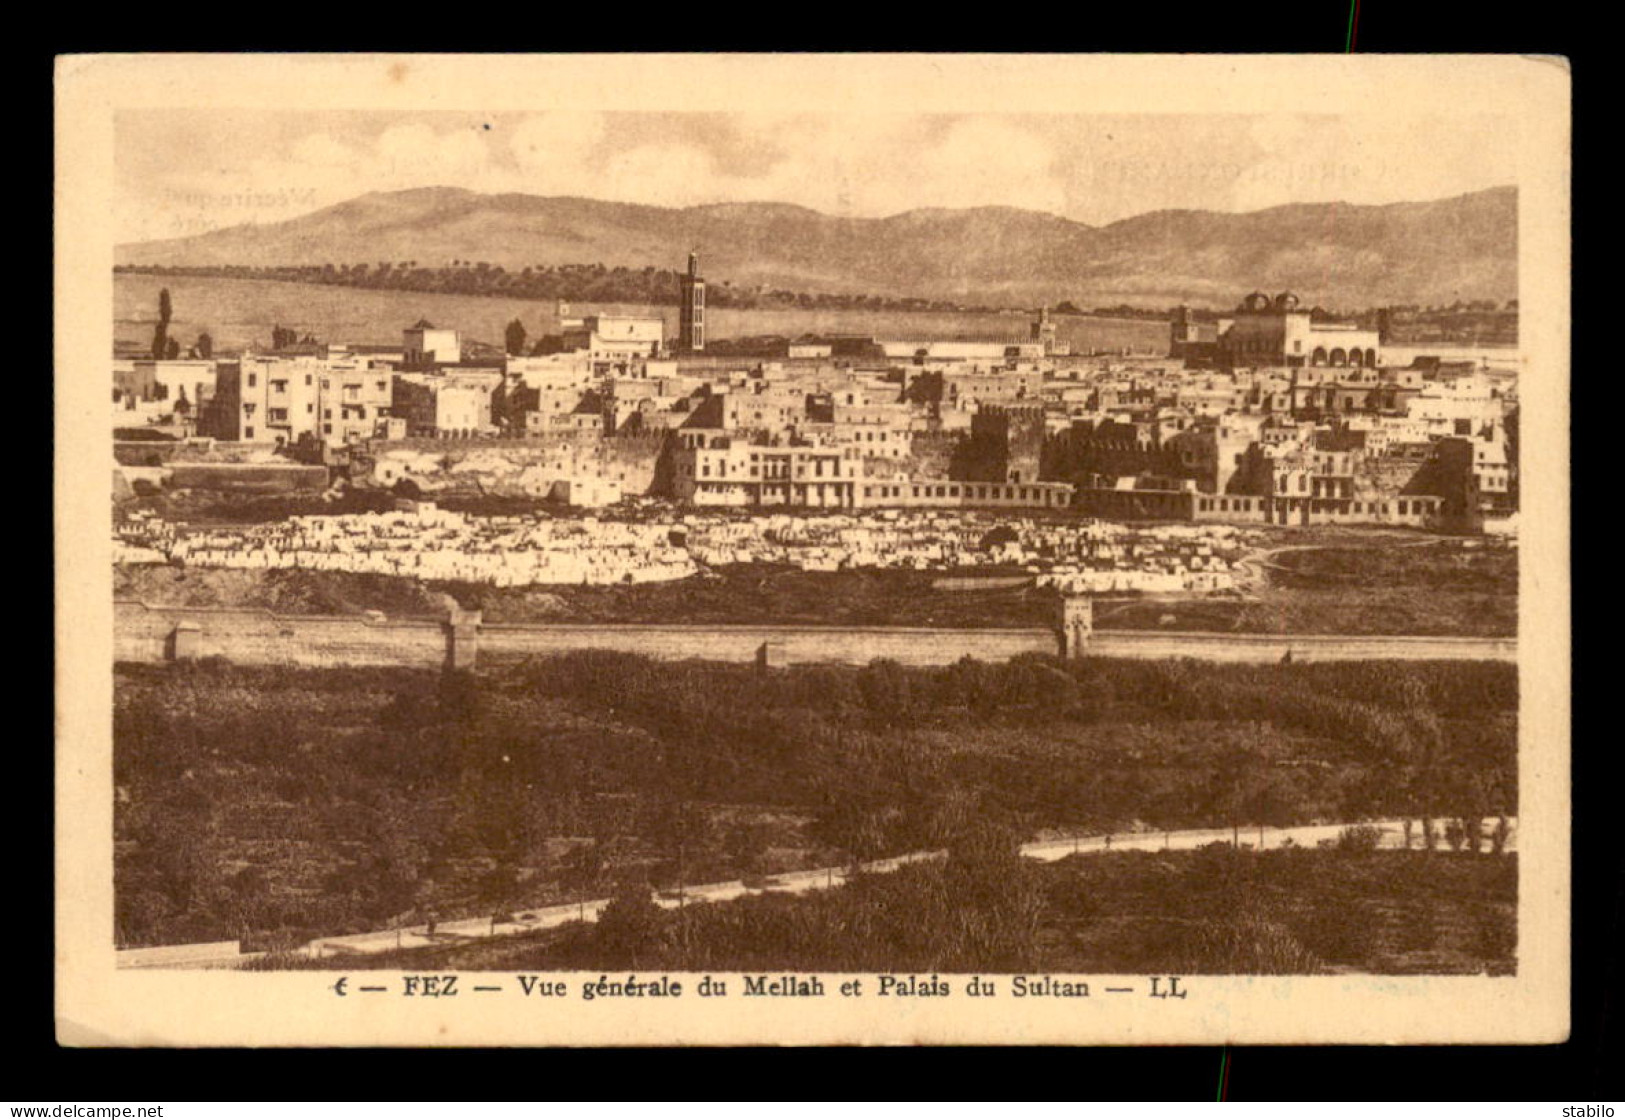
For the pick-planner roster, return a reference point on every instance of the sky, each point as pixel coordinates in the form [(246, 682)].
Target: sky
[(180, 172)]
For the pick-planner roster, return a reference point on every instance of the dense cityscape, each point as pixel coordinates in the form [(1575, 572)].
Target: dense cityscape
[(991, 487), (1267, 416)]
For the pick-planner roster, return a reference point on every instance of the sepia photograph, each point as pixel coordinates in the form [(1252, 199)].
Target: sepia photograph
[(640, 551)]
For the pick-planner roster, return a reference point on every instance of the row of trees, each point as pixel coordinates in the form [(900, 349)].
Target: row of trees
[(587, 283)]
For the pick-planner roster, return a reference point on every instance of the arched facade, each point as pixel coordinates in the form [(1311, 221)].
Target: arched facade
[(1277, 330)]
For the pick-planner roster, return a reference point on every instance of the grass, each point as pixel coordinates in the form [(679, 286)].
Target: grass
[(1445, 591), (1281, 912)]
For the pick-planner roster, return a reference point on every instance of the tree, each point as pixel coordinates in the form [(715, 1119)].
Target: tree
[(582, 867), (205, 345), (632, 926), (172, 349), (516, 338), (162, 345)]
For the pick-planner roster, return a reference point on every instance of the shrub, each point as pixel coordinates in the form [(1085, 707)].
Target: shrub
[(1455, 834), (1249, 946)]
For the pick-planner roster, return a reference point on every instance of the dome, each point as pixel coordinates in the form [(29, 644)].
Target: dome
[(1258, 301), (1286, 301)]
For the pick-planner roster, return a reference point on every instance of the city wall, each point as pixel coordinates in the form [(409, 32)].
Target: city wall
[(143, 632), (788, 645), (163, 633), (164, 466), (259, 477), (259, 637), (513, 466), (1265, 648)]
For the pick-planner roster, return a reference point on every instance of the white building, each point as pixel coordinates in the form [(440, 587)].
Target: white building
[(425, 344)]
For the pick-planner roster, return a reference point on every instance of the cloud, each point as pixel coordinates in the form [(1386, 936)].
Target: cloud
[(663, 175), (417, 155), (555, 152), (990, 162), (1372, 159)]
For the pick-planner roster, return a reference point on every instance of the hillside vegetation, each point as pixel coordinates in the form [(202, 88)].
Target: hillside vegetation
[(275, 805), (1427, 252), (1212, 911)]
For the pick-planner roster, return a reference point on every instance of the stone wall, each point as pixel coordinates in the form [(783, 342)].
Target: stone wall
[(257, 637), (1301, 647), (794, 644)]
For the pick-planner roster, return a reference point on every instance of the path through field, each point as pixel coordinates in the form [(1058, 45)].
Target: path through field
[(1391, 835)]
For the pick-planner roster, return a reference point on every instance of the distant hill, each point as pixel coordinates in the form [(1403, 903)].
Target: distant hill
[(1333, 254)]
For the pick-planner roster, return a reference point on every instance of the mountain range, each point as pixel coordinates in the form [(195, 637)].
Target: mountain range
[(1333, 254)]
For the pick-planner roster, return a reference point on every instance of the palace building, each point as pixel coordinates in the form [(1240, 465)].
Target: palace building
[(1265, 331)]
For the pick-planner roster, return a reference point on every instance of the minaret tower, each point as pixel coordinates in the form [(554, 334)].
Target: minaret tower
[(691, 317), (1043, 330)]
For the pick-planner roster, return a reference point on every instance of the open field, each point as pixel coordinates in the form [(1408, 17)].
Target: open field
[(1367, 609), (278, 805), (1356, 584), (239, 313)]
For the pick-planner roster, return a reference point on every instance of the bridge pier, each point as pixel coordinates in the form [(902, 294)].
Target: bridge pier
[(184, 641), (1076, 622), (462, 638)]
